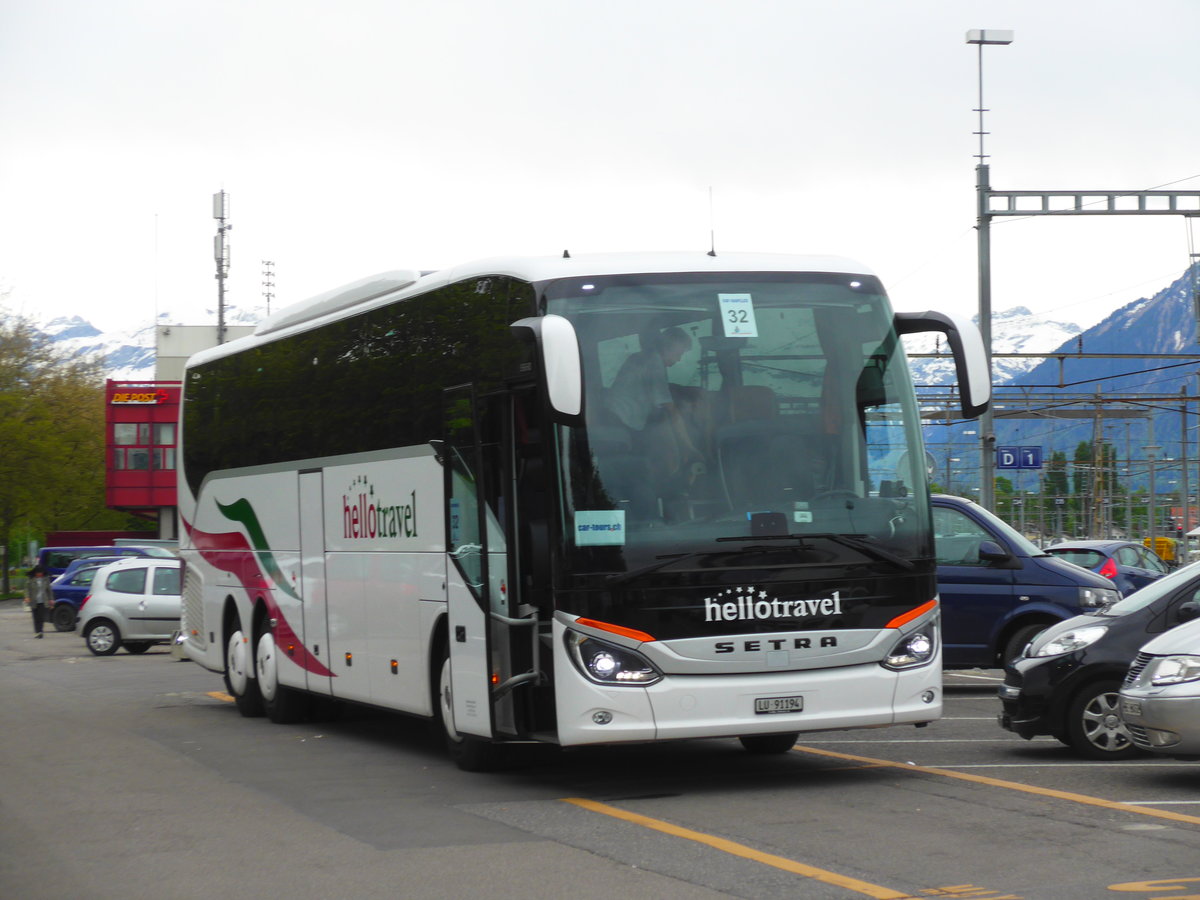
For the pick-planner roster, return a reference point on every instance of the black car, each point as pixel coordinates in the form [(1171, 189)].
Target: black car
[(1128, 565), (1067, 681)]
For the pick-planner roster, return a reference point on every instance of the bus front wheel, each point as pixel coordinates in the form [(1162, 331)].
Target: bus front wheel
[(471, 754)]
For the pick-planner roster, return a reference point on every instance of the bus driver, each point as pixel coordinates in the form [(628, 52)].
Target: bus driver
[(641, 398)]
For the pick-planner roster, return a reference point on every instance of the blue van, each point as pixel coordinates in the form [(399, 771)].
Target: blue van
[(56, 559), (998, 589)]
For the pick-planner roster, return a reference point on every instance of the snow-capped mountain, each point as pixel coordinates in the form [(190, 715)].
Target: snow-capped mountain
[(128, 355), (1014, 330)]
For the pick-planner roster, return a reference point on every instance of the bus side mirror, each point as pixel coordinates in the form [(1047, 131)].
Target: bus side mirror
[(1187, 611), (559, 361), (970, 356)]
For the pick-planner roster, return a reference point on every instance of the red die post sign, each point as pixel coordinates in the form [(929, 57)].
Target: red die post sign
[(142, 432)]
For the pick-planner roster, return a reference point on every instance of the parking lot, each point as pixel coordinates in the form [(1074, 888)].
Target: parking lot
[(130, 776)]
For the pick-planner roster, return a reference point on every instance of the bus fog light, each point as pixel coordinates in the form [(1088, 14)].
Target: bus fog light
[(608, 664), (603, 717), (928, 697)]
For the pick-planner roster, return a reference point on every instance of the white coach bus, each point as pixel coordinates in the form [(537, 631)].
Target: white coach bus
[(589, 500)]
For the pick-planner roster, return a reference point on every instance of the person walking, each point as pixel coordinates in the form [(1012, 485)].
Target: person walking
[(37, 592)]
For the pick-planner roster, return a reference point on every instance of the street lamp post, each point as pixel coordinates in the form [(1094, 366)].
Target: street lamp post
[(987, 494)]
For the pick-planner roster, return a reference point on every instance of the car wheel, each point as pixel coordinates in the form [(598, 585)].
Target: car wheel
[(764, 744), (471, 754), (63, 617), (102, 637), (1015, 645), (283, 705), (137, 646), (238, 681), (1094, 726)]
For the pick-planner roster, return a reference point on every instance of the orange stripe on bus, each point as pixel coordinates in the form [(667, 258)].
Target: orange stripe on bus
[(905, 618), (617, 629)]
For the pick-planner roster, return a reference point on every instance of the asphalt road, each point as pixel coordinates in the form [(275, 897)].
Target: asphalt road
[(132, 776)]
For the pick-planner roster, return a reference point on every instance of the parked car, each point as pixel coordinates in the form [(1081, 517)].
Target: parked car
[(72, 586), (998, 589), (1128, 565), (56, 559), (134, 603), (1160, 699), (1067, 681)]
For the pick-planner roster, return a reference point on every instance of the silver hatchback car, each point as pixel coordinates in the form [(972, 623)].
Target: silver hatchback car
[(1160, 699), (134, 604)]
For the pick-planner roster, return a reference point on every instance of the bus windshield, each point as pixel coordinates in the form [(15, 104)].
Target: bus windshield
[(767, 408)]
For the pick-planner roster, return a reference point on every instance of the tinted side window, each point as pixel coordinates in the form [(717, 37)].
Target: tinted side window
[(375, 379), (127, 581)]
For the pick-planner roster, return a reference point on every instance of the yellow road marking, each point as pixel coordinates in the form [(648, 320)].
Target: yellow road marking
[(1010, 785), (735, 849), (220, 695)]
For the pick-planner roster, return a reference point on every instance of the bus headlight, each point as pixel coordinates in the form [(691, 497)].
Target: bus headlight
[(913, 650), (608, 664)]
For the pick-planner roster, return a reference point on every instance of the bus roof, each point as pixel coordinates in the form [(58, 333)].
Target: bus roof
[(386, 287)]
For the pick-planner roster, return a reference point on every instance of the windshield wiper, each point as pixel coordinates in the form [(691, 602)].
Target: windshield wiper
[(662, 563), (854, 542)]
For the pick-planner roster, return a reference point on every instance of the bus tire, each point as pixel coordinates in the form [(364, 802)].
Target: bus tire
[(238, 675), (764, 744), (470, 753), (283, 705)]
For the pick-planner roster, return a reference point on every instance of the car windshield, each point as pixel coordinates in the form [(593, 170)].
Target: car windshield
[(1163, 587), (737, 406)]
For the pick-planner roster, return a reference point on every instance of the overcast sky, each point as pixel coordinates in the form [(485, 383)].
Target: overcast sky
[(358, 136)]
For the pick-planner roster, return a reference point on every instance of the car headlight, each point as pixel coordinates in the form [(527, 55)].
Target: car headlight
[(608, 664), (1174, 670), (913, 650), (1098, 598), (1070, 641)]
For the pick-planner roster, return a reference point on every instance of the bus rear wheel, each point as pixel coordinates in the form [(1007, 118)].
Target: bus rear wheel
[(238, 681), (471, 754), (764, 744), (283, 705)]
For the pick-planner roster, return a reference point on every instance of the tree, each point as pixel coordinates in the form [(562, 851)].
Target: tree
[(51, 437)]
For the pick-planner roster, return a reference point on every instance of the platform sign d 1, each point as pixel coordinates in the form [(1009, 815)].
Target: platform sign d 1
[(1018, 457)]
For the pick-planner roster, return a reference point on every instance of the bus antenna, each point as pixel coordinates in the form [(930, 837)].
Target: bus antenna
[(712, 228), (566, 254)]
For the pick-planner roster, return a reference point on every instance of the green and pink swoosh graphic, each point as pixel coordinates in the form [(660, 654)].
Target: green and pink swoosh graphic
[(254, 565)]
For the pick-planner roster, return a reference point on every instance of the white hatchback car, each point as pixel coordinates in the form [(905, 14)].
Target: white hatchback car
[(134, 603)]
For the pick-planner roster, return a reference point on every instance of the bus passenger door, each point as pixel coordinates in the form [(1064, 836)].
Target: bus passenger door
[(473, 539), (312, 576)]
